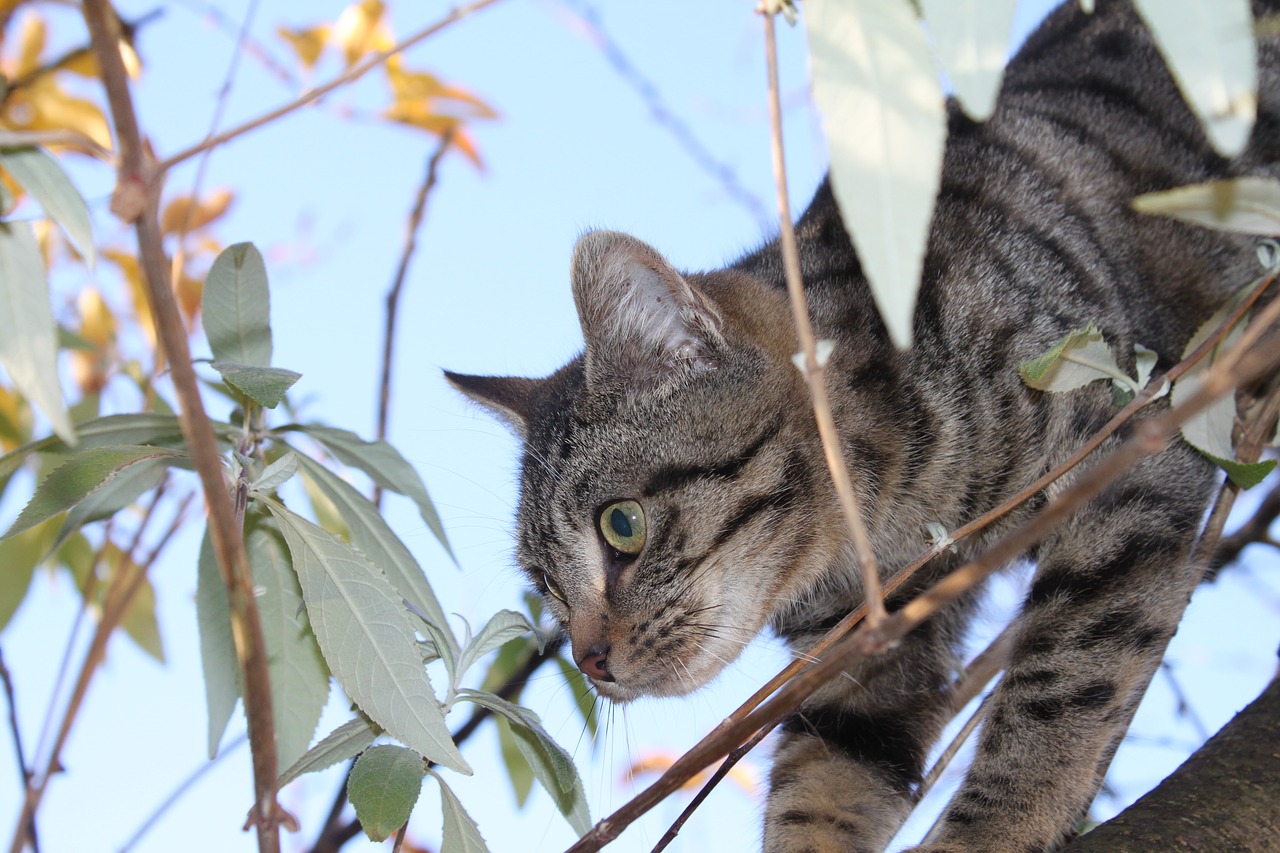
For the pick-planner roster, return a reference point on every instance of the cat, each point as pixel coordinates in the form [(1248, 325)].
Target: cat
[(674, 497)]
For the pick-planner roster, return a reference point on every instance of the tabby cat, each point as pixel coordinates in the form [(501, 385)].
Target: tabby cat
[(674, 497)]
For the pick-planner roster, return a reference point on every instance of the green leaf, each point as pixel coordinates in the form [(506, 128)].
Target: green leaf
[(1210, 429), (503, 626), (383, 788), (885, 120), (1073, 362), (28, 336), (461, 834), (266, 386), (82, 475), (550, 762), (371, 534), (299, 677), (122, 491), (113, 429), (40, 175), (366, 637), (346, 741), (384, 465), (583, 695), (518, 769), (277, 473), (217, 648), (139, 620), (1246, 205), (972, 40), (236, 307), (19, 556), (1210, 49)]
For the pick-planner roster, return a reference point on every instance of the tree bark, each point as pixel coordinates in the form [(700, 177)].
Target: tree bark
[(1224, 798)]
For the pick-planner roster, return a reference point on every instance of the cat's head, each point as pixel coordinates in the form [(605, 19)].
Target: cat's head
[(671, 494)]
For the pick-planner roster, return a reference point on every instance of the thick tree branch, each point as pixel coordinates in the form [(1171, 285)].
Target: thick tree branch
[(1224, 797)]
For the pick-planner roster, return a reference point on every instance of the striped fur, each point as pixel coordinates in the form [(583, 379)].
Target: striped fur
[(686, 402)]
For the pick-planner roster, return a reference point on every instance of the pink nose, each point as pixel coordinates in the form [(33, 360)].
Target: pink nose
[(595, 663)]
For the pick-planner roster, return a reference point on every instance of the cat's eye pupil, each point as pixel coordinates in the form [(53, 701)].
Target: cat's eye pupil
[(623, 528), (621, 524)]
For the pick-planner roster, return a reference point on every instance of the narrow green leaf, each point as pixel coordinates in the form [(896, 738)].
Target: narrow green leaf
[(264, 385), (1246, 475), (40, 175), (384, 465), (503, 626), (367, 640), (371, 534), (1210, 49), (885, 121), (972, 41), (552, 765), (82, 475), (299, 677), (122, 491), (518, 769), (139, 620), (346, 741), (585, 698), (236, 307), (19, 556), (383, 788), (217, 649), (112, 429), (461, 834), (1245, 205), (28, 336)]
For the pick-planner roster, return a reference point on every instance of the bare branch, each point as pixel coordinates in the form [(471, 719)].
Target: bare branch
[(312, 95), (814, 371), (137, 196)]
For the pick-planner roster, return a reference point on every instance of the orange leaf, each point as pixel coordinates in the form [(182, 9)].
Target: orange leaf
[(15, 419), (128, 265), (189, 292), (180, 215), (30, 44), (97, 323), (45, 106)]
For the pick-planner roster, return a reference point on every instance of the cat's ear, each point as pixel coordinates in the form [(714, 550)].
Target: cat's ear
[(509, 398), (643, 322)]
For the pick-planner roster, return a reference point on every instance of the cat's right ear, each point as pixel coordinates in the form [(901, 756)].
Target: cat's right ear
[(643, 322), (509, 398)]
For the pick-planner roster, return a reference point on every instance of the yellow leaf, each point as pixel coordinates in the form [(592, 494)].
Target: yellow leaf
[(15, 420), (97, 323), (189, 291), (132, 62), (180, 215), (83, 63), (128, 265), (45, 106), (356, 30), (659, 762), (308, 44), (30, 44)]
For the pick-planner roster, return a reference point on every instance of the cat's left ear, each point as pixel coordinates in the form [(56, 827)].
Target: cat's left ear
[(510, 398), (644, 324)]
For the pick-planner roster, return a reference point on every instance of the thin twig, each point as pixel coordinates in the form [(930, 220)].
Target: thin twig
[(179, 260), (730, 761), (311, 95), (814, 371), (181, 790), (397, 286), (23, 768), (953, 748), (137, 179), (1233, 369), (704, 157)]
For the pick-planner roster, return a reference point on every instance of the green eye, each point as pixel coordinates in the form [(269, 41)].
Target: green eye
[(554, 588), (622, 525)]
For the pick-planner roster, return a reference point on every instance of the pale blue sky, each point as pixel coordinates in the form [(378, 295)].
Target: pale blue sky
[(325, 198)]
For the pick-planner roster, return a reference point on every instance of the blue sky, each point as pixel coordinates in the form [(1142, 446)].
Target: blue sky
[(324, 195)]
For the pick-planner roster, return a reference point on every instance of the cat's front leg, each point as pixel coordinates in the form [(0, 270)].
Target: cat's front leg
[(848, 761), (1108, 592)]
